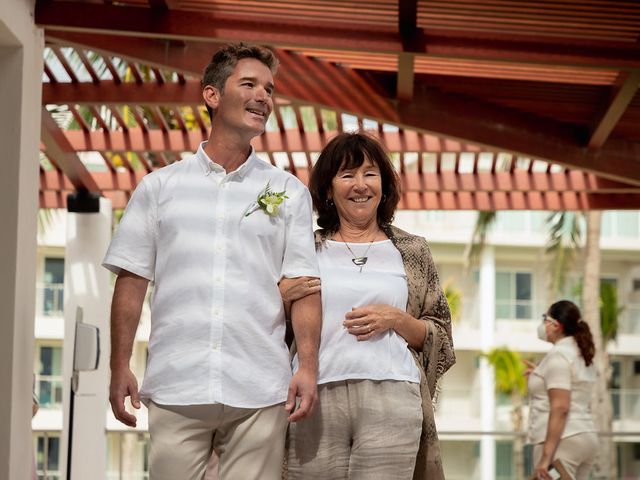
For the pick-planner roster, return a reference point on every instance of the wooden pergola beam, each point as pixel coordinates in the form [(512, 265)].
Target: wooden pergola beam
[(623, 92), (155, 140), (64, 155), (127, 93), (100, 18), (488, 201), (408, 28), (314, 82), (414, 182)]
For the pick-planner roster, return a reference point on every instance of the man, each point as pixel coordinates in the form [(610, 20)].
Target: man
[(215, 232)]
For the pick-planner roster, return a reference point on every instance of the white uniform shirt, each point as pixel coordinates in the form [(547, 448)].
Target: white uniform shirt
[(217, 320), (562, 367), (382, 281)]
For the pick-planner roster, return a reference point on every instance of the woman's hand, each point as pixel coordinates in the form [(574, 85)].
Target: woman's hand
[(292, 289), (530, 367), (367, 322), (541, 470)]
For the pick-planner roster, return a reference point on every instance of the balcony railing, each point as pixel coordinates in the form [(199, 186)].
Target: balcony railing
[(50, 298)]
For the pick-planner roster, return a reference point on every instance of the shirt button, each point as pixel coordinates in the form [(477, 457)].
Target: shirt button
[(218, 280), (216, 312), (215, 347)]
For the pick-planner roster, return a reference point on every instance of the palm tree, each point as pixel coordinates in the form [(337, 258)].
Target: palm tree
[(511, 381)]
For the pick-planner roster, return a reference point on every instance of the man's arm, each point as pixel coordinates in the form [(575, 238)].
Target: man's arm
[(126, 306), (306, 317)]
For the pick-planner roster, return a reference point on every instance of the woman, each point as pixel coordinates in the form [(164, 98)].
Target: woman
[(560, 424), (386, 333)]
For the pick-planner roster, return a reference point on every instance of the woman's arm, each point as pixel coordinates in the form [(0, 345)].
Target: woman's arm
[(560, 401)]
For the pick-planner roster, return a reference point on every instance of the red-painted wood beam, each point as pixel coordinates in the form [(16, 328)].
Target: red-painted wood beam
[(311, 81), (64, 155), (445, 201), (97, 18), (155, 140), (110, 92), (623, 92), (487, 201), (519, 182), (408, 29)]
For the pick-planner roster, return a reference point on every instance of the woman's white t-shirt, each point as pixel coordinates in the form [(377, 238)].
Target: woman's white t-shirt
[(381, 281), (564, 368)]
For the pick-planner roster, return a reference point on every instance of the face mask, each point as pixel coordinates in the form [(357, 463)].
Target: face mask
[(542, 332)]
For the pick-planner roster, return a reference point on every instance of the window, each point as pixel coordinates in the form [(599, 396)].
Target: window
[(49, 377), (48, 456), (53, 286), (514, 296), (617, 224), (504, 460)]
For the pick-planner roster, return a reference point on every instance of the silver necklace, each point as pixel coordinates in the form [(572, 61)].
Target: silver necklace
[(358, 261)]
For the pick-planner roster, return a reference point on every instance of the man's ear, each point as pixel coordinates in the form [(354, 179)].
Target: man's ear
[(211, 96)]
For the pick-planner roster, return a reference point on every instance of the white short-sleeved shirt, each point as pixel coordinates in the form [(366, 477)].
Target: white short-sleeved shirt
[(564, 368), (382, 281), (217, 320)]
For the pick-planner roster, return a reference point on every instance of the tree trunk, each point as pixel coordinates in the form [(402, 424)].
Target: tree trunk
[(604, 466)]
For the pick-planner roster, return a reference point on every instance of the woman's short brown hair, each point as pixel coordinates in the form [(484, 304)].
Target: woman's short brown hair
[(349, 150)]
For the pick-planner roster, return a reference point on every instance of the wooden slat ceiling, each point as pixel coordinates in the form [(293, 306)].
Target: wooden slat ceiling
[(494, 104)]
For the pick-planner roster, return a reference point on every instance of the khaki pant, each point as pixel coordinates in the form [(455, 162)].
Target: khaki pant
[(248, 442), (576, 453), (361, 430)]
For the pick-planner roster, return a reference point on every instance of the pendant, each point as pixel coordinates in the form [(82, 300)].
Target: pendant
[(359, 261)]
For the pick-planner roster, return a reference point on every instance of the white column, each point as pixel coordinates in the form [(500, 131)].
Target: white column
[(487, 386), (21, 46), (86, 285)]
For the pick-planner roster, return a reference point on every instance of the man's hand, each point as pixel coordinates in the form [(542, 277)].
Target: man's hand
[(303, 385), (292, 289), (123, 384)]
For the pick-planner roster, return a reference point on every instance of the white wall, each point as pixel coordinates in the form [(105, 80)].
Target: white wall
[(21, 48)]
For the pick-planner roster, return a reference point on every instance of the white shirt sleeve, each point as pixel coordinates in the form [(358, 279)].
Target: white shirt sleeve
[(133, 247), (557, 372), (300, 253)]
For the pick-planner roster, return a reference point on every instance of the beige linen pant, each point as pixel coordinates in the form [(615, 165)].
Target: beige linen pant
[(576, 453), (362, 429), (249, 442)]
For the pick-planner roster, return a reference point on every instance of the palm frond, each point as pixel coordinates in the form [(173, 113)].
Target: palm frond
[(509, 370), (454, 299), (609, 311), (564, 242), (473, 250)]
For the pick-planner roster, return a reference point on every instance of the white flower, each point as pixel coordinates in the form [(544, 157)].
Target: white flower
[(268, 201)]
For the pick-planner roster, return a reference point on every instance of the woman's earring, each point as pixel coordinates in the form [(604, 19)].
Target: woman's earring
[(384, 197), (329, 202)]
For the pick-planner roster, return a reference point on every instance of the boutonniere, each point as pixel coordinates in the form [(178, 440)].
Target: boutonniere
[(268, 201)]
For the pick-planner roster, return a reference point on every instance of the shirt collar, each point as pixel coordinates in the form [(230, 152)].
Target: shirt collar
[(209, 165)]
